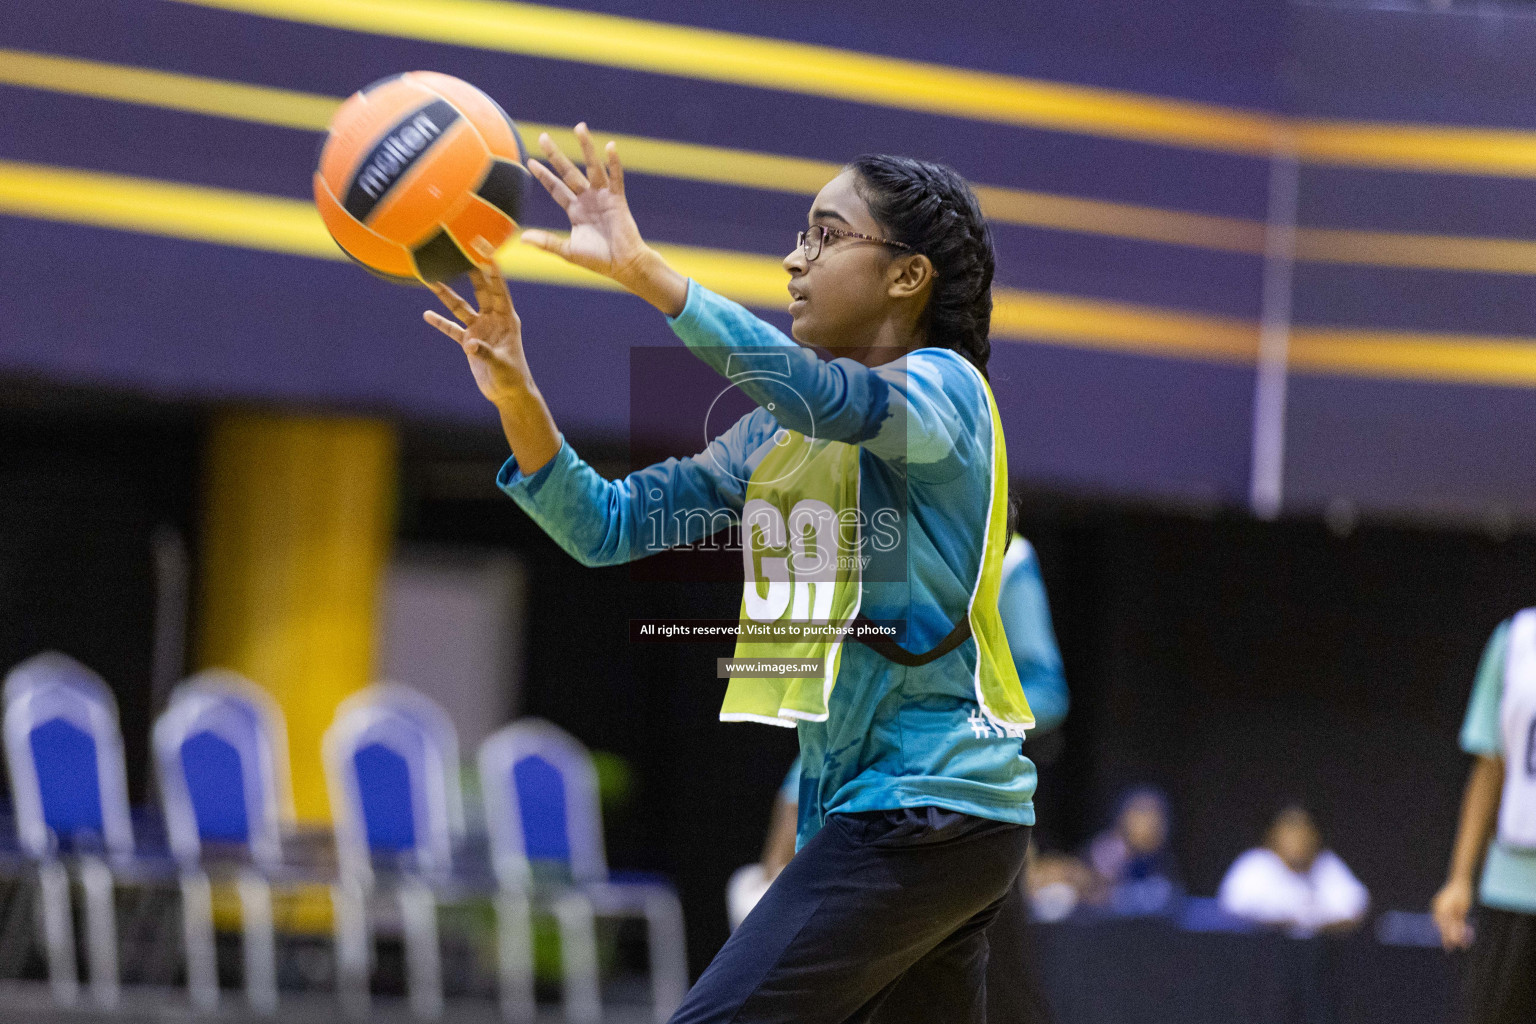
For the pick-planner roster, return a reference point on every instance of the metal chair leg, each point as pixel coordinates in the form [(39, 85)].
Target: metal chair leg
[(58, 932), (578, 956), (15, 937), (423, 958), (100, 930), (514, 948), (350, 911), (260, 946), (197, 940), (668, 953)]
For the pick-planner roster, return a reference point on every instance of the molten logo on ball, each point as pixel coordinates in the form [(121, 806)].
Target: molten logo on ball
[(395, 154)]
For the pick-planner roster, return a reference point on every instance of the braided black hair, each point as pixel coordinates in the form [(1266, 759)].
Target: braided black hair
[(931, 208)]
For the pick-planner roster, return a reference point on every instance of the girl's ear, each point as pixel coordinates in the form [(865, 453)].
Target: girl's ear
[(909, 276)]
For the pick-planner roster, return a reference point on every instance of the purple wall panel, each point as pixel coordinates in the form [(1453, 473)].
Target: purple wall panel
[(332, 62), (1136, 426), (210, 323), (1459, 66), (1433, 449), (1452, 204), (1413, 447), (1391, 299), (202, 321), (1176, 48)]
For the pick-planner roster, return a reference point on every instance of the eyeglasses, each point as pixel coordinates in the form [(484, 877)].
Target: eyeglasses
[(811, 241)]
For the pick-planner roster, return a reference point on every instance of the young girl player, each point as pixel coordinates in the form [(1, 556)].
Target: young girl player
[(915, 800)]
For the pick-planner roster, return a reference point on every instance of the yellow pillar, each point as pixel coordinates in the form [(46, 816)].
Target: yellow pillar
[(299, 516)]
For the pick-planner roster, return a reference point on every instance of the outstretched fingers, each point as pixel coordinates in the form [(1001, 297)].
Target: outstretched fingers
[(450, 298), (595, 172), (554, 186), (483, 294), (615, 169), (569, 173), (539, 239), (490, 285), (445, 325)]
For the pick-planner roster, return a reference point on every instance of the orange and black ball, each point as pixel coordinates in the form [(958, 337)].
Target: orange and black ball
[(415, 171)]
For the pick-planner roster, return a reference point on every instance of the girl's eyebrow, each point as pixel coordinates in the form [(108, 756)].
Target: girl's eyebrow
[(828, 215)]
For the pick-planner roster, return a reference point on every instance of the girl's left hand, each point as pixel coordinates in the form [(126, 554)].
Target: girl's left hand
[(604, 237)]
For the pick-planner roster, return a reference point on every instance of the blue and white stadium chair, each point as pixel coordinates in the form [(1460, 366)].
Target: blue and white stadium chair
[(392, 768), (65, 755), (221, 751), (543, 819)]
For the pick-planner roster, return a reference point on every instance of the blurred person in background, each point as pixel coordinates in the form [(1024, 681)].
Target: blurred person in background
[(1059, 883), (1132, 858), (1499, 803), (1012, 992), (750, 881), (1292, 882)]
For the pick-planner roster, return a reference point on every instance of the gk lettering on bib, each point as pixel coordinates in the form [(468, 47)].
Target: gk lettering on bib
[(800, 534)]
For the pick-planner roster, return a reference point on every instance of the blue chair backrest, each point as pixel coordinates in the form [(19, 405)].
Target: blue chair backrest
[(392, 763), (65, 756), (221, 751), (541, 802), (545, 816)]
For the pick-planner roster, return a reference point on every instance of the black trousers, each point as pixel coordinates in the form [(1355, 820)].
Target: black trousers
[(1501, 969), (1014, 992), (879, 907)]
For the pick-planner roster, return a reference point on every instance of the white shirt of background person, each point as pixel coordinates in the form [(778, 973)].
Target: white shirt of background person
[(1293, 883)]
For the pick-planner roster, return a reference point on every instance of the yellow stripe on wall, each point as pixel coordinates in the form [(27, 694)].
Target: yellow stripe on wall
[(1122, 327), (1440, 149), (291, 226), (688, 161), (738, 59), (226, 217), (1446, 358), (797, 175), (710, 55), (1424, 252), (193, 94), (681, 160)]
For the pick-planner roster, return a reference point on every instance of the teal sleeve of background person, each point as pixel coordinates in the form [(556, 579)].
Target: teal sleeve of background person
[(679, 501), (896, 415), (1480, 733), (1027, 621)]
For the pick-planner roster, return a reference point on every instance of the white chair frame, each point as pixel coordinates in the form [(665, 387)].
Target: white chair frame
[(591, 894), (208, 702), (44, 688), (393, 715)]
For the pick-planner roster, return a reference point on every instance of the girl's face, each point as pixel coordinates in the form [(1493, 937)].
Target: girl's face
[(839, 299)]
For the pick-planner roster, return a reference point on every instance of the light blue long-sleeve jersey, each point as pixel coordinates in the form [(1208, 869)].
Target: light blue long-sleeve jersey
[(895, 736), (1032, 640)]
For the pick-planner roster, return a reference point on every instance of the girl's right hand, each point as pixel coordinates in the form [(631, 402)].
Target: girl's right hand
[(604, 237), (491, 336)]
